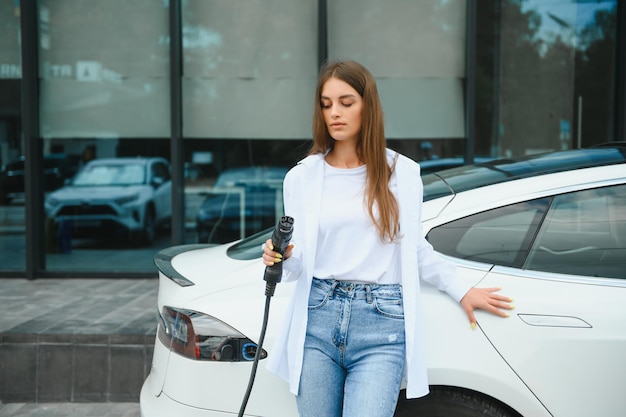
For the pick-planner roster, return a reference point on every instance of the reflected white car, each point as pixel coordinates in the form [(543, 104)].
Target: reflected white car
[(550, 230), (123, 196)]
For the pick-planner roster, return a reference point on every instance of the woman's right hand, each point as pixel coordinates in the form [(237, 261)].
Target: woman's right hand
[(270, 257)]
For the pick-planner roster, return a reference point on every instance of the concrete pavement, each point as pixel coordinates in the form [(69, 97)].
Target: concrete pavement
[(70, 410), (75, 347)]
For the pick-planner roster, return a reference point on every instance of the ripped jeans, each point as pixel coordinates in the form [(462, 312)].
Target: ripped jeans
[(354, 350)]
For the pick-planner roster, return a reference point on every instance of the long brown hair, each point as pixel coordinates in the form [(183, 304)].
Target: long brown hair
[(371, 145)]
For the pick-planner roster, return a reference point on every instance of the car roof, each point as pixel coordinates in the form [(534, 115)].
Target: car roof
[(437, 162), (468, 177)]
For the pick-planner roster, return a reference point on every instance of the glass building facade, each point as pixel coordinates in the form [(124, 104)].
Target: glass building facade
[(223, 91)]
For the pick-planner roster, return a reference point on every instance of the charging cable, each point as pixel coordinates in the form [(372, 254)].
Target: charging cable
[(273, 274)]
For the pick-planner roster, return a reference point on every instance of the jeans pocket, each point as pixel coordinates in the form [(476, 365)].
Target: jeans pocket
[(389, 306), (318, 295)]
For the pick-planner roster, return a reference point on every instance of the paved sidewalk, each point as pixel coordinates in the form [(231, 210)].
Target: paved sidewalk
[(78, 306), (70, 410), (75, 347)]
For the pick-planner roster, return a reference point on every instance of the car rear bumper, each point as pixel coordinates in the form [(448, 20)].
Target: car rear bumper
[(163, 406)]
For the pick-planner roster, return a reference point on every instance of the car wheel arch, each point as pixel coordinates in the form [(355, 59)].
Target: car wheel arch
[(453, 401)]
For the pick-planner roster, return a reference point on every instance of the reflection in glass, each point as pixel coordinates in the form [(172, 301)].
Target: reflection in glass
[(248, 86), (249, 68), (12, 208), (104, 69), (105, 93), (114, 214), (110, 175), (500, 236), (243, 201), (123, 197), (419, 61), (584, 234), (545, 75)]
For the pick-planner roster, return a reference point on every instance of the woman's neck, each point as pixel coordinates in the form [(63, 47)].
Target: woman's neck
[(343, 157)]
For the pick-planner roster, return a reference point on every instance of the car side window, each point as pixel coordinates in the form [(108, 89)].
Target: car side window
[(500, 236), (160, 170), (584, 233)]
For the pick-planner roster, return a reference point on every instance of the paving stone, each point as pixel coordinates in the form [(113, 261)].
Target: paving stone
[(73, 341), (70, 410)]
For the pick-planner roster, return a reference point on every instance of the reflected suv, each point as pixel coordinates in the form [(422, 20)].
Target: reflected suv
[(129, 196)]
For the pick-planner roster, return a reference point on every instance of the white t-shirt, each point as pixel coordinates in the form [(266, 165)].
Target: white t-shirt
[(349, 245)]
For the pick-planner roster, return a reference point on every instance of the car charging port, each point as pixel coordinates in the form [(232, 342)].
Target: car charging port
[(248, 351)]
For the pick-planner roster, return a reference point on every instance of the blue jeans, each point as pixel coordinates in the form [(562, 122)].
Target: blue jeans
[(354, 350)]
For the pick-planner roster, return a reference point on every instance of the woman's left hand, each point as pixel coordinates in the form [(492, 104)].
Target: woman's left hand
[(485, 299)]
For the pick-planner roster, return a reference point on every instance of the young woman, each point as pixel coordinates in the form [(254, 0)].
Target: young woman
[(355, 325)]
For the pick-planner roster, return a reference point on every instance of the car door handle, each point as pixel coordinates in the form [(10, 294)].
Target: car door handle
[(542, 320)]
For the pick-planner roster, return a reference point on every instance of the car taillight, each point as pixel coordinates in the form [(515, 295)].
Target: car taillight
[(202, 337)]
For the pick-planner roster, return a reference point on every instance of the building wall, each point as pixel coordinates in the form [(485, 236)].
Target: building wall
[(545, 79)]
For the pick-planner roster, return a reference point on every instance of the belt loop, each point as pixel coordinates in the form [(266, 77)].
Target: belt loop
[(368, 294), (332, 288)]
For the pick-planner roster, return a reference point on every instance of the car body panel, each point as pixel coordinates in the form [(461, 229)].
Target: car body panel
[(461, 357), (212, 292), (224, 390), (579, 336), (435, 208), (450, 361), (166, 406), (158, 369)]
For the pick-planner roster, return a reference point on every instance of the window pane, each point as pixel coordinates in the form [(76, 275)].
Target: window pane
[(249, 68), (545, 75), (10, 61), (242, 202), (113, 212), (12, 209), (221, 174), (418, 60), (104, 68), (500, 236), (584, 234)]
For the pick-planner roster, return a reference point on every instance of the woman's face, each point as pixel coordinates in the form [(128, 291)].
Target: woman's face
[(341, 107)]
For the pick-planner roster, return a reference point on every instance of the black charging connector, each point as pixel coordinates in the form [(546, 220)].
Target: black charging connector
[(273, 275), (280, 240)]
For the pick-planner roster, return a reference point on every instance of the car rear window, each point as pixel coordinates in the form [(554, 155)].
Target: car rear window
[(250, 247)]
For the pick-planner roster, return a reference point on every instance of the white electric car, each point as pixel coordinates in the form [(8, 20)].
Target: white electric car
[(549, 229)]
